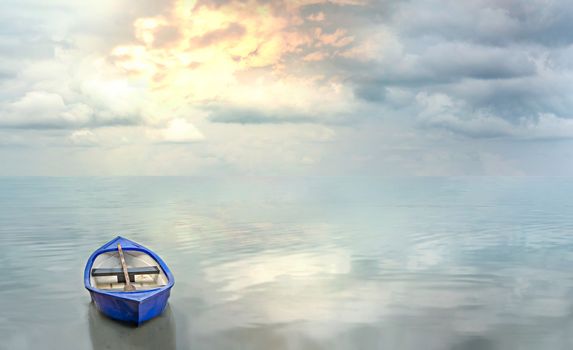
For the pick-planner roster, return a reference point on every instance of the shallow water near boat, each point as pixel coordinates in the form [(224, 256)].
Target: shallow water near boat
[(297, 263)]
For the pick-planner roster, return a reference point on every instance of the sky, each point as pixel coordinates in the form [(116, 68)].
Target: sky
[(286, 88)]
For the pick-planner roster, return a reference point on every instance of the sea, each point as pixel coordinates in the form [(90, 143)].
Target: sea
[(273, 263)]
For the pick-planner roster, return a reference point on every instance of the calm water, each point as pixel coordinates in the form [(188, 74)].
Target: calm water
[(284, 263)]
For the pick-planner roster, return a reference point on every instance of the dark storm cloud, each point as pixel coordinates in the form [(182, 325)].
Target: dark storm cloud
[(498, 22), (371, 92), (516, 98), (478, 62), (509, 60), (444, 63)]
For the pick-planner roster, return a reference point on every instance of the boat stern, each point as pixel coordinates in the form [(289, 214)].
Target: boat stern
[(121, 309), (133, 308), (153, 306)]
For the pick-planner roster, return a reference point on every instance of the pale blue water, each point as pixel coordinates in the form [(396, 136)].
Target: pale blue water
[(297, 263)]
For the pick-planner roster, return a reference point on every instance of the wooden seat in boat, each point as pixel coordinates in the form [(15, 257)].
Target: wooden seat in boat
[(132, 272)]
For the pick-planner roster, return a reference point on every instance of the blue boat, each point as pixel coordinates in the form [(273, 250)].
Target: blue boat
[(127, 281)]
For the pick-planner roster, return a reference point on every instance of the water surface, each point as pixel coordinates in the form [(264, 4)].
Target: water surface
[(297, 263)]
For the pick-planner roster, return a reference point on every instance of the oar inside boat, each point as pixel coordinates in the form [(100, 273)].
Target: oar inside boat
[(128, 286)]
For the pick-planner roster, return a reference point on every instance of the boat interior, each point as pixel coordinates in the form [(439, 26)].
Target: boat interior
[(144, 272)]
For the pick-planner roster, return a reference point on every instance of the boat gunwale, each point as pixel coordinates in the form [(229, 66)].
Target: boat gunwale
[(122, 294)]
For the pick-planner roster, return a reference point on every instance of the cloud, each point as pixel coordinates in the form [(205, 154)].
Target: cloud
[(236, 53), (84, 138), (71, 90), (443, 63), (440, 111), (502, 63), (497, 22), (253, 116), (94, 104), (178, 131), (317, 17), (233, 32), (53, 68), (463, 60), (40, 109)]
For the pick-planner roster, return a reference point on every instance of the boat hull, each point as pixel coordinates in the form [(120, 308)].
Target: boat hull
[(128, 310), (134, 307)]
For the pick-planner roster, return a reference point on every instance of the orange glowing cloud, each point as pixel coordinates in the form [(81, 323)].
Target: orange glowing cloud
[(235, 52)]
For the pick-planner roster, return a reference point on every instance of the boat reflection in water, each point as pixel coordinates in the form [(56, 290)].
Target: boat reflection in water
[(158, 333)]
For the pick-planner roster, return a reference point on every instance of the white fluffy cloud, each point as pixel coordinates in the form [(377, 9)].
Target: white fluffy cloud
[(83, 138), (178, 131)]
